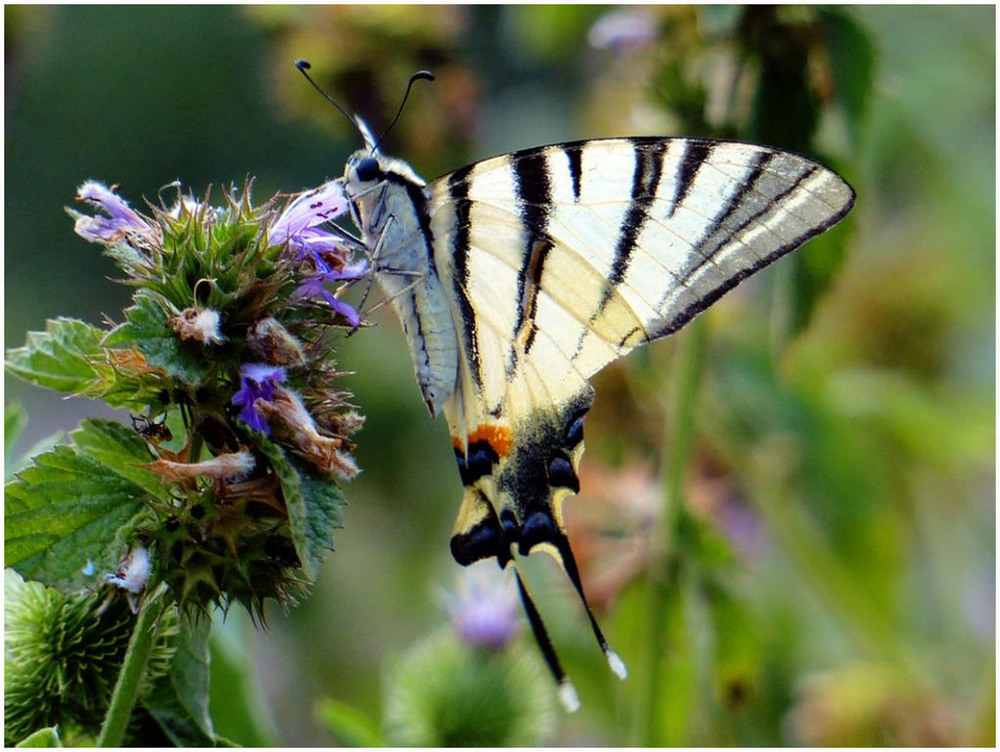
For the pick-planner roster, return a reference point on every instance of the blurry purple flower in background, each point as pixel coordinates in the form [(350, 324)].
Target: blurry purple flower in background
[(483, 607), (257, 381), (100, 229), (622, 30)]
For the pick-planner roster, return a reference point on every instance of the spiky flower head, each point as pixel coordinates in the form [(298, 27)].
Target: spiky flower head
[(61, 655), (443, 692)]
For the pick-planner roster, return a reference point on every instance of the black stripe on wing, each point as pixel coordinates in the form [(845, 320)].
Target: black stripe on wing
[(696, 152), (533, 191), (574, 155), (458, 191), (704, 301)]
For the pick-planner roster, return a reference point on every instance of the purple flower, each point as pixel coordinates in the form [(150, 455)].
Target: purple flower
[(296, 225), (483, 608), (314, 287), (257, 381), (121, 220), (299, 227), (622, 30)]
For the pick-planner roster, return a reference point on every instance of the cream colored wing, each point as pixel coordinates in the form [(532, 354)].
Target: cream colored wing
[(560, 259)]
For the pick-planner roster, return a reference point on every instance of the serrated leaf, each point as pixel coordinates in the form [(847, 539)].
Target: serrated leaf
[(120, 450), (314, 504), (146, 327), (179, 701), (62, 513), (46, 737), (59, 358)]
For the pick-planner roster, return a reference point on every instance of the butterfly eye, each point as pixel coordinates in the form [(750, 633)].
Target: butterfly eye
[(368, 170)]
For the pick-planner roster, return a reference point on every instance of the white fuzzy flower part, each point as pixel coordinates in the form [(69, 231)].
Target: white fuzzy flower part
[(199, 324), (134, 571)]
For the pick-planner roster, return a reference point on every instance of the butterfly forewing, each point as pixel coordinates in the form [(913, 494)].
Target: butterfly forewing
[(630, 237)]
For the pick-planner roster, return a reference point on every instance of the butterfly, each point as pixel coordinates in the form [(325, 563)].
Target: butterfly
[(517, 278)]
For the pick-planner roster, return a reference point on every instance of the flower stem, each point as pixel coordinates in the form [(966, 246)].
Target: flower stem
[(133, 670), (666, 602)]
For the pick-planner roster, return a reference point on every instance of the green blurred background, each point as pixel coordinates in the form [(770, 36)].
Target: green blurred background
[(818, 566)]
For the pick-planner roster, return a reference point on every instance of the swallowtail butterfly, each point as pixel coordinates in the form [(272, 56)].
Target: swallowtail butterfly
[(517, 278)]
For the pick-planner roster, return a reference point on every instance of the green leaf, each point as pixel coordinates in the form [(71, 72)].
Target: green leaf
[(852, 63), (811, 272), (348, 725), (237, 707), (146, 327), (120, 450), (46, 737), (179, 701), (314, 505), (63, 513), (60, 357)]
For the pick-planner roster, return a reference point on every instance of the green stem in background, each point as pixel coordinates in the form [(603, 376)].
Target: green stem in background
[(665, 601), (133, 669)]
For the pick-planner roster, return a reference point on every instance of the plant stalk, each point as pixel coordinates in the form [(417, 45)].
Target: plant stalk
[(665, 602), (133, 670)]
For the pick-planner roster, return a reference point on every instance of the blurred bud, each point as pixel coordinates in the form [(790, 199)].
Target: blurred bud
[(272, 343), (483, 607), (444, 693), (868, 705), (623, 30)]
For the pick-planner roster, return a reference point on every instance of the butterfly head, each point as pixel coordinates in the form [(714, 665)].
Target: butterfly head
[(371, 180)]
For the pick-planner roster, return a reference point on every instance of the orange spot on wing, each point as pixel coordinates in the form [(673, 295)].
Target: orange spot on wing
[(498, 437), (457, 444)]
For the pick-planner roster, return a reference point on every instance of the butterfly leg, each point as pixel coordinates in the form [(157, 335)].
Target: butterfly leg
[(374, 259), (418, 277)]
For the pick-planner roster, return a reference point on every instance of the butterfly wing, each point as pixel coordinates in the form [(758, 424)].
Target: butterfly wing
[(560, 259)]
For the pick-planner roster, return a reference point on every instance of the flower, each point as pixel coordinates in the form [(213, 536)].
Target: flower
[(270, 341), (257, 381), (622, 30), (312, 208), (314, 287), (483, 608), (323, 451), (298, 226), (230, 466), (121, 222)]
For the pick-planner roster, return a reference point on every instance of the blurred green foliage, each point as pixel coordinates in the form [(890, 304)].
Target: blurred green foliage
[(819, 569)]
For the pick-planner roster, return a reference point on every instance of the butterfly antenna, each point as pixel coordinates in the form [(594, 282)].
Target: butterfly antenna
[(420, 75), (303, 66), (567, 692)]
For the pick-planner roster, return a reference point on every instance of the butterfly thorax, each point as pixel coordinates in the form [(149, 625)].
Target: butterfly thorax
[(389, 206)]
